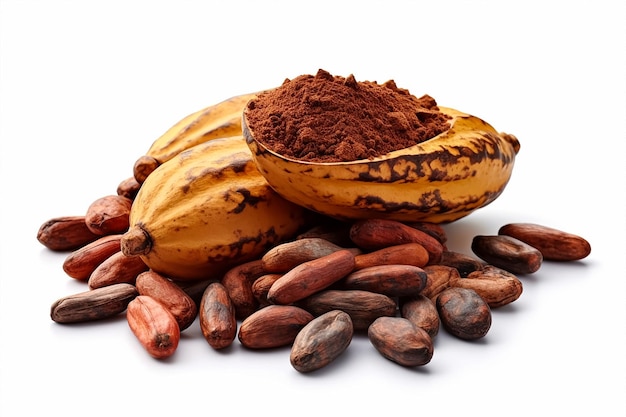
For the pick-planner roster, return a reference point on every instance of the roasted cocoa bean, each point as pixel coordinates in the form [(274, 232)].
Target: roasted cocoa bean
[(421, 311), (177, 301), (554, 244), (363, 306), (273, 326), (93, 304), (65, 233), (401, 341), (154, 326), (391, 280), (218, 322), (310, 277), (463, 313), (321, 341), (508, 253)]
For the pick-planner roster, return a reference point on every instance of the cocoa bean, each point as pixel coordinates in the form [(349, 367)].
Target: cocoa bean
[(463, 313), (391, 280), (128, 188), (218, 322), (117, 268), (177, 301), (421, 311), (374, 234), (495, 285), (273, 326), (363, 306), (109, 215), (407, 254), (261, 286), (554, 244), (81, 263), (321, 341), (401, 341), (508, 253), (288, 255), (238, 282), (311, 277), (93, 304), (65, 233), (438, 278), (154, 326)]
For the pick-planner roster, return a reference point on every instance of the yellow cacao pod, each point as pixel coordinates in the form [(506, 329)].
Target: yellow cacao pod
[(207, 209)]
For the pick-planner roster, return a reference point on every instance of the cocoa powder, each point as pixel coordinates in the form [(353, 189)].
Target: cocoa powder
[(326, 118)]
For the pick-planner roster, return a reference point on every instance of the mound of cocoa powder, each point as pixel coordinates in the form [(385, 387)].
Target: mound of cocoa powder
[(326, 118)]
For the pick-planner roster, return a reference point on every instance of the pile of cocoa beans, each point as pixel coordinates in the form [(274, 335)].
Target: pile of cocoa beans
[(395, 282)]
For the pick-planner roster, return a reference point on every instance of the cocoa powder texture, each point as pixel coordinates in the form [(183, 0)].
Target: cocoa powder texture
[(326, 118)]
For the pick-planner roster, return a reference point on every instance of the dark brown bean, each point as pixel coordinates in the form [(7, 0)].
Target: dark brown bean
[(401, 341), (321, 341), (508, 253), (463, 313)]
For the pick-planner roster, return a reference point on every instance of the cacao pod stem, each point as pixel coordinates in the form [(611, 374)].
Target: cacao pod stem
[(136, 241)]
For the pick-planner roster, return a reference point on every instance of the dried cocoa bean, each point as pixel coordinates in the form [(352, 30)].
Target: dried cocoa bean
[(154, 326), (128, 188), (311, 277), (117, 268), (421, 311), (288, 255), (508, 253), (463, 313), (496, 286), (65, 233), (81, 263), (93, 304), (438, 278), (238, 282), (391, 280), (554, 244), (374, 234), (401, 341), (273, 326), (177, 301), (321, 341), (363, 306), (261, 286), (109, 215), (406, 254), (218, 322)]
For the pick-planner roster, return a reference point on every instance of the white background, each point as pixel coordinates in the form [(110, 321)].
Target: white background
[(86, 86)]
